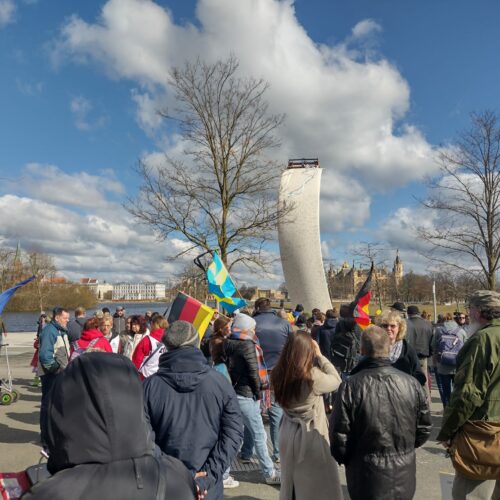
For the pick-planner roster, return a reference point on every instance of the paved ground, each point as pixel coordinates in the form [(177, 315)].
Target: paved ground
[(19, 436)]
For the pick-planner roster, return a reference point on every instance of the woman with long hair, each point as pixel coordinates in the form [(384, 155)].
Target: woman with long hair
[(300, 379), (222, 330)]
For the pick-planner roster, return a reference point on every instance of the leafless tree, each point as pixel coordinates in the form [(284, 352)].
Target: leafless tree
[(192, 281), (6, 267), (466, 199), (42, 266), (223, 194)]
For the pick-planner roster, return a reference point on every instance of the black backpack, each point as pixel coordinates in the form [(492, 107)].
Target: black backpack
[(343, 350)]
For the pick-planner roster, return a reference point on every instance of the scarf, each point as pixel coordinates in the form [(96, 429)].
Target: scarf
[(396, 351), (238, 334)]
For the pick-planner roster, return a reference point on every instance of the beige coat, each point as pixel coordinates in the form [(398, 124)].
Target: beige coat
[(306, 463)]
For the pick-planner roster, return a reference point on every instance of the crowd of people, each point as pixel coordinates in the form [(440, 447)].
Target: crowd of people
[(146, 408)]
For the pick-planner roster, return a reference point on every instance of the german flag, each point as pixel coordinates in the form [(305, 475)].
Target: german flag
[(186, 308), (362, 302)]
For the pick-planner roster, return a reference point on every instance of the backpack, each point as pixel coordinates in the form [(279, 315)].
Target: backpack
[(150, 365), (78, 351), (448, 347), (343, 350)]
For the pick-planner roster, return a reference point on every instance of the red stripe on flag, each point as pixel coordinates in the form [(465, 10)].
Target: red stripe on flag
[(190, 310), (365, 299)]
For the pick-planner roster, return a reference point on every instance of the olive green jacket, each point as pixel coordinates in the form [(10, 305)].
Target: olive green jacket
[(476, 391)]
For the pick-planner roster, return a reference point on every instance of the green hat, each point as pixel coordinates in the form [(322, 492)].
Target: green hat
[(485, 299)]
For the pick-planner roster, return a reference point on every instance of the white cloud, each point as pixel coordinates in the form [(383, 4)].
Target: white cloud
[(28, 88), (345, 103), (344, 203), (7, 12), (148, 108), (366, 27), (81, 108), (50, 184), (348, 111), (105, 245)]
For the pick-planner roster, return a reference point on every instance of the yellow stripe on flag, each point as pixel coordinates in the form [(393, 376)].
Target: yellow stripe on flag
[(202, 319)]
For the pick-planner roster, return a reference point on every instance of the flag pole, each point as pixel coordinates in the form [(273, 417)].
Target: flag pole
[(434, 300)]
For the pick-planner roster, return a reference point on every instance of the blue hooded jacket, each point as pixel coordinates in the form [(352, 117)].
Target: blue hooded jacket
[(195, 416)]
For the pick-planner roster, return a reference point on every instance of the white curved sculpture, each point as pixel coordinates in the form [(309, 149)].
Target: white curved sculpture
[(299, 239)]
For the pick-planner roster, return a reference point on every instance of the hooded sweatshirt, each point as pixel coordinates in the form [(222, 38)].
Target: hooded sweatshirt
[(88, 336), (100, 445), (195, 415)]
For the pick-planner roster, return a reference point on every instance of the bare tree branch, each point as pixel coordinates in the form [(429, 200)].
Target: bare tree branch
[(223, 195), (466, 198)]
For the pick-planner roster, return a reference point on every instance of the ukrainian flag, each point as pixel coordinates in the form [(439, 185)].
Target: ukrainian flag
[(221, 285)]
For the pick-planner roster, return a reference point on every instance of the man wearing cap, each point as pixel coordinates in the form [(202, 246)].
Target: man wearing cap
[(475, 401), (193, 410), (400, 308), (419, 334), (119, 322)]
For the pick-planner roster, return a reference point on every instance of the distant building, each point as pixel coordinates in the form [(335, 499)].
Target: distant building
[(267, 293), (55, 280), (344, 283), (101, 290), (138, 291)]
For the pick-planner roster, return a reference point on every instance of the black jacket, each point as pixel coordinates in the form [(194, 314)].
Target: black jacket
[(408, 363), (195, 415), (379, 417), (419, 335), (243, 367), (75, 328), (99, 441), (325, 337)]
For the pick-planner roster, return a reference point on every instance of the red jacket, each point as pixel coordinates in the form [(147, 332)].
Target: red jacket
[(89, 335), (143, 348)]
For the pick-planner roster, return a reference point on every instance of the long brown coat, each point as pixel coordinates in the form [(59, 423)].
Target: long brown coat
[(306, 463)]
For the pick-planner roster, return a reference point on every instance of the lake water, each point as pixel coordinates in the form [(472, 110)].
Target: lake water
[(26, 321)]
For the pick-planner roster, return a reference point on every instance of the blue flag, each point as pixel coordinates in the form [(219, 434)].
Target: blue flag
[(221, 285), (7, 295)]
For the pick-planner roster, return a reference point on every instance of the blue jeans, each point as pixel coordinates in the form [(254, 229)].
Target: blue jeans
[(275, 413), (254, 428), (439, 383), (447, 384)]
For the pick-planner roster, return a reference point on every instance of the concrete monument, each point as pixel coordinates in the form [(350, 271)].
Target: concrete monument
[(299, 236)]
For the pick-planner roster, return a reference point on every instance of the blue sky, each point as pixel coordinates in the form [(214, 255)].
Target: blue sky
[(383, 84)]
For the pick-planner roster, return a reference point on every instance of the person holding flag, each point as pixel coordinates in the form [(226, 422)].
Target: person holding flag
[(360, 305), (354, 318)]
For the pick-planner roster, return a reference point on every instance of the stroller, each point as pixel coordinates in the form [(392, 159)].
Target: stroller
[(8, 394)]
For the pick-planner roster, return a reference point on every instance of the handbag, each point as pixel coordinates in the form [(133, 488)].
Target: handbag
[(475, 450)]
